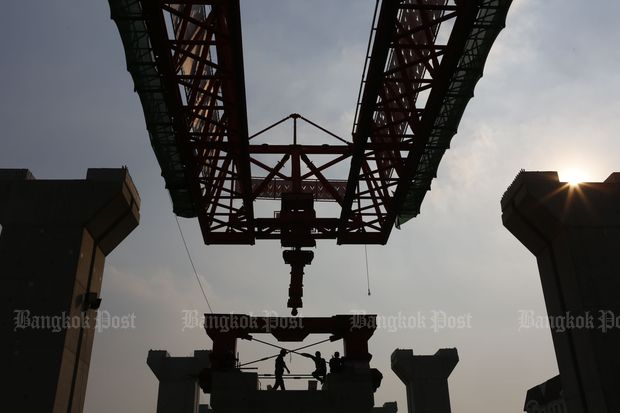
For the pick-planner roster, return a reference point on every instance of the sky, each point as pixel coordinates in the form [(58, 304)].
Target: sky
[(547, 101)]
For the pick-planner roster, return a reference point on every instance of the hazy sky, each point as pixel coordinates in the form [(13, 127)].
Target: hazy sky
[(547, 101)]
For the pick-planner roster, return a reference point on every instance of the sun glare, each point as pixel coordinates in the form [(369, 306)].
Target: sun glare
[(573, 176)]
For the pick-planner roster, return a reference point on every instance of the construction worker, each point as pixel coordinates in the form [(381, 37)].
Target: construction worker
[(319, 365), (280, 367), (375, 377), (335, 364)]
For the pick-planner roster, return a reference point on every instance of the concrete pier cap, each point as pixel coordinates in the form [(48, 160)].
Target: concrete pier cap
[(537, 205), (425, 378), (408, 366), (106, 203), (167, 368), (574, 232)]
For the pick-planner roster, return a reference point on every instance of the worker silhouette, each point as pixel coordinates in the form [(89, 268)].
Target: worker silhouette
[(319, 365), (280, 367), (375, 377), (335, 364)]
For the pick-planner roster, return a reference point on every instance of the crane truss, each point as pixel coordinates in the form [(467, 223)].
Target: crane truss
[(424, 59), (427, 56)]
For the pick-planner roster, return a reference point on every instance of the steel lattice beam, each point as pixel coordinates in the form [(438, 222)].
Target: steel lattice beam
[(415, 90), (185, 56)]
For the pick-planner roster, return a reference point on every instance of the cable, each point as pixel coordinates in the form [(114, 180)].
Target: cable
[(191, 261), (367, 272), (272, 345), (290, 351), (326, 131)]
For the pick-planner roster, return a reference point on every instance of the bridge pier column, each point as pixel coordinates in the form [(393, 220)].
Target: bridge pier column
[(426, 379), (178, 380), (55, 235), (574, 232)]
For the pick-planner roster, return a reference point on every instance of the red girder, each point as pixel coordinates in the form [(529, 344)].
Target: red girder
[(198, 51), (406, 38), (203, 60)]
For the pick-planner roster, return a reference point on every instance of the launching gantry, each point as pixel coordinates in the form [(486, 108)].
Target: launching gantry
[(423, 61)]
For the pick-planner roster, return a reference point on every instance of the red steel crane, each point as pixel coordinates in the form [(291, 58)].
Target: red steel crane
[(423, 61)]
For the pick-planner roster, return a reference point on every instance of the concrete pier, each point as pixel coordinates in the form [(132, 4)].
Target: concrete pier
[(426, 379), (53, 243), (574, 232), (178, 380)]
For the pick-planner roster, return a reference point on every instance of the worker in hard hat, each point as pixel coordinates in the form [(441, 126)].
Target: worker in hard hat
[(335, 363), (319, 364), (280, 367)]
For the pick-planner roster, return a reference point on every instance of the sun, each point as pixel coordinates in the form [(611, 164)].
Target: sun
[(573, 176)]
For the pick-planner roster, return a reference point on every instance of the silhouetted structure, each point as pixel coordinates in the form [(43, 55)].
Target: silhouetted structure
[(547, 397), (54, 240), (178, 380), (426, 379), (389, 407), (573, 232), (234, 390)]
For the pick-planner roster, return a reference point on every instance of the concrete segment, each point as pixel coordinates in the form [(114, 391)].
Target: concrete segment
[(55, 236), (574, 232)]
